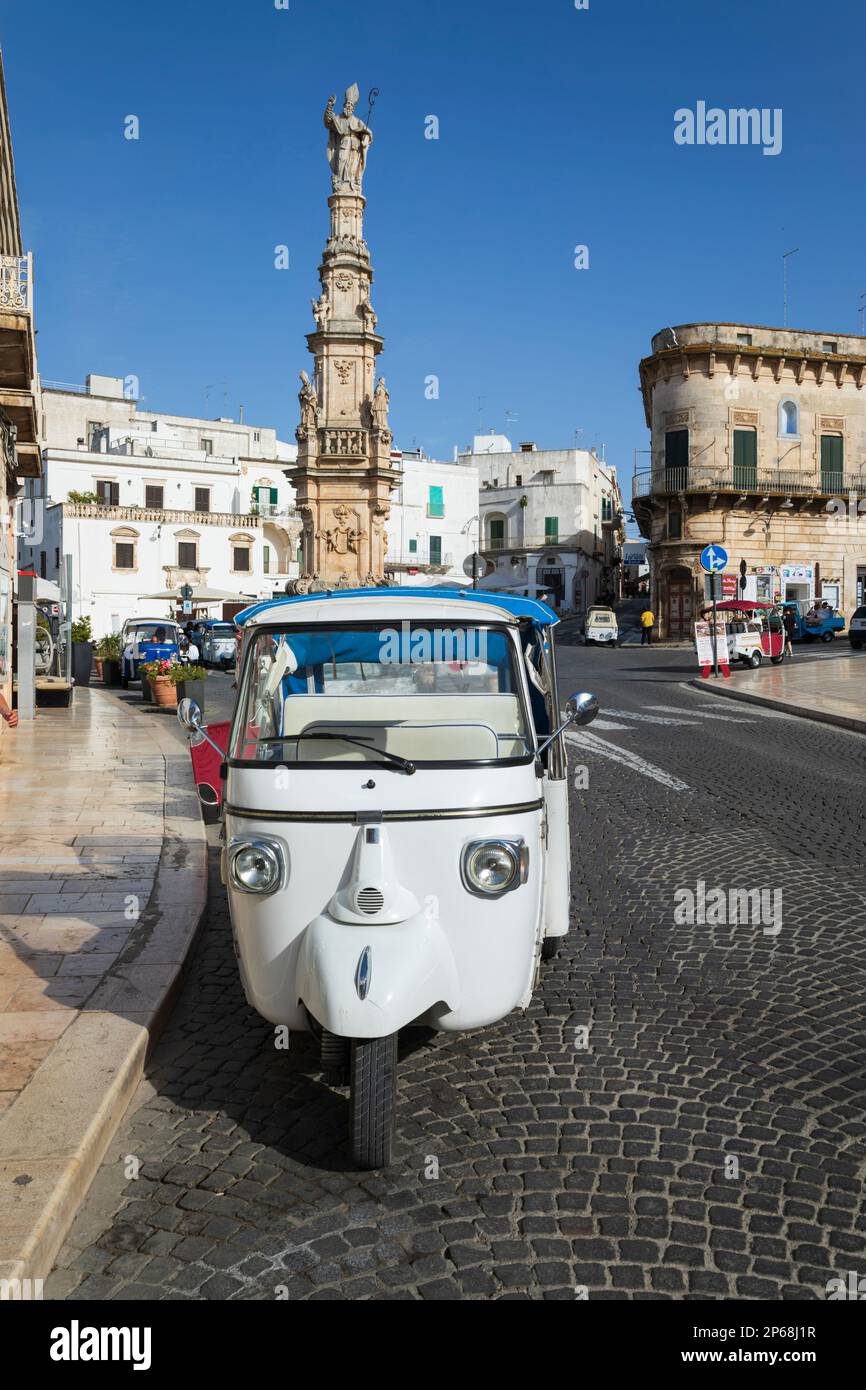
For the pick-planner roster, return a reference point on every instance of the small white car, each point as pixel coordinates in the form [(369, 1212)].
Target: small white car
[(857, 628), (601, 626)]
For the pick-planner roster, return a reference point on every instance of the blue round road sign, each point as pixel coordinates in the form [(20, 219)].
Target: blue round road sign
[(713, 559)]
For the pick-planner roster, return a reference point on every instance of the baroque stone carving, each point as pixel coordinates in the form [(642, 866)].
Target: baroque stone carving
[(381, 401), (349, 139), (321, 309)]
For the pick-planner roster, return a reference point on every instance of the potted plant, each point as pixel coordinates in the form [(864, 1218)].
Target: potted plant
[(109, 653), (82, 651), (160, 679), (189, 682)]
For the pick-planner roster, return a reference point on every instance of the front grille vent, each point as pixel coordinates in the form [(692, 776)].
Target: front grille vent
[(369, 900)]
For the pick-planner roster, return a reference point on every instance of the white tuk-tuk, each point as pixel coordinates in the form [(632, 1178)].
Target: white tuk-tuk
[(395, 802)]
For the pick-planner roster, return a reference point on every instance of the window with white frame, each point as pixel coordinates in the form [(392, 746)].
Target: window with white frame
[(241, 552), (124, 548)]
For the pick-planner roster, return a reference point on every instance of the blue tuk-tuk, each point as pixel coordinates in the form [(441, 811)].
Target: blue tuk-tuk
[(813, 622), (148, 639)]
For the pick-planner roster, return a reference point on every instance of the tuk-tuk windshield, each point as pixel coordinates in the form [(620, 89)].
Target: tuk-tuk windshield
[(147, 632), (425, 693)]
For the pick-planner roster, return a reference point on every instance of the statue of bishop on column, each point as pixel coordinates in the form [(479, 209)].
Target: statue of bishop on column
[(348, 141)]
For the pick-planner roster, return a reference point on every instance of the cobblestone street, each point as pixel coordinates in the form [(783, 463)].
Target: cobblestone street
[(678, 1114)]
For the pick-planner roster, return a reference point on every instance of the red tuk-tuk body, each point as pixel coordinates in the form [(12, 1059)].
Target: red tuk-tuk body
[(772, 627)]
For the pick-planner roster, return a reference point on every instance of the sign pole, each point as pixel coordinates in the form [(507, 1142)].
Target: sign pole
[(713, 578)]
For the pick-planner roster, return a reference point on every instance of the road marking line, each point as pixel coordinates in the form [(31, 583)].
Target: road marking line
[(609, 724), (651, 718), (705, 714), (590, 744)]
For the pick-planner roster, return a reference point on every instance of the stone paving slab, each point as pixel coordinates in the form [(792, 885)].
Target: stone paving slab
[(98, 807), (831, 691)]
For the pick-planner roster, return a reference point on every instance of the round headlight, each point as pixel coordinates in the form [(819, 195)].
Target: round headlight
[(492, 867), (255, 868)]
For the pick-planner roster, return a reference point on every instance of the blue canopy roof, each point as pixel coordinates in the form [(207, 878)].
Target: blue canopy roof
[(519, 607)]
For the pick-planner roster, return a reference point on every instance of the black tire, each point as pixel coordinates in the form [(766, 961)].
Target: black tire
[(124, 681), (857, 646), (827, 636), (777, 660), (373, 1087), (755, 660), (334, 1056), (549, 946)]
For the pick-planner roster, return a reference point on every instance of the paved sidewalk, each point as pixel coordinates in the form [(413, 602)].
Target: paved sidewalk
[(102, 888), (831, 691)]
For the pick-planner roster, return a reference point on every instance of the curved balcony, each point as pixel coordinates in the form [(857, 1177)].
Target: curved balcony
[(743, 481)]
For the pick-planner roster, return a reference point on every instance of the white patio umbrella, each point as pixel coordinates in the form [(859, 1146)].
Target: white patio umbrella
[(200, 594)]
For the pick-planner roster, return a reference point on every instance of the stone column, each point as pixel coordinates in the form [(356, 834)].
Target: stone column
[(343, 475)]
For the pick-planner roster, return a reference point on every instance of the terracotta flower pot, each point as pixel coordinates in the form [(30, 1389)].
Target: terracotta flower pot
[(164, 691)]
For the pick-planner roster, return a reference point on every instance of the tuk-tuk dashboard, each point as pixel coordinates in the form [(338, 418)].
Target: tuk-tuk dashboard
[(434, 695)]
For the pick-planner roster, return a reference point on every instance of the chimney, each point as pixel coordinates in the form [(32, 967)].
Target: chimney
[(527, 447)]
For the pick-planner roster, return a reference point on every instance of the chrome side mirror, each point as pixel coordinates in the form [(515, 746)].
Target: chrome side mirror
[(189, 715), (580, 708)]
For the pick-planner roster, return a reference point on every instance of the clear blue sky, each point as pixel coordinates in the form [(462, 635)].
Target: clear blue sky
[(155, 257)]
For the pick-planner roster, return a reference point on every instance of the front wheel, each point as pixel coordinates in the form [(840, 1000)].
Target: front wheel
[(826, 636), (372, 1097), (755, 660)]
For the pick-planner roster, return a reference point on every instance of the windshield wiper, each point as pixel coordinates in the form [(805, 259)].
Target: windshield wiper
[(403, 763)]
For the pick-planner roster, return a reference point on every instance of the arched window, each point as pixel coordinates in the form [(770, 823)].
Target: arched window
[(789, 420)]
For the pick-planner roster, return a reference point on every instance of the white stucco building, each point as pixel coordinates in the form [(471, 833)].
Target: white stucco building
[(145, 502), (551, 518), (434, 520)]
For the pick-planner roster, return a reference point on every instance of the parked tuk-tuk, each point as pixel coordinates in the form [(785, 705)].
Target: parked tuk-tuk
[(600, 626), (148, 639), (217, 642), (395, 805), (755, 630), (814, 622)]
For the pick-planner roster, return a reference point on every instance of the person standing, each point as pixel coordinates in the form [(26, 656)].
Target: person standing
[(790, 625), (647, 623)]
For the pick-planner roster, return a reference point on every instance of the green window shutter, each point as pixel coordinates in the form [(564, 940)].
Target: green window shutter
[(435, 550), (832, 462), (745, 458), (274, 496), (413, 547), (435, 505), (551, 529), (266, 558)]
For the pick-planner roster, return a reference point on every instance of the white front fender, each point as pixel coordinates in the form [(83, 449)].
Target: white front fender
[(410, 968)]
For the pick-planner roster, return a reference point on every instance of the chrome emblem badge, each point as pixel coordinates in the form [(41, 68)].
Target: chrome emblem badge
[(363, 972)]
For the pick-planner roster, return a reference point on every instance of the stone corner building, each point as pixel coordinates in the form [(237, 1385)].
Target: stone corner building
[(19, 384), (344, 475), (759, 444)]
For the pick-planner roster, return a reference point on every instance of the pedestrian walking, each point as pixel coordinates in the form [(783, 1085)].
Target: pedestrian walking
[(790, 625), (647, 623)]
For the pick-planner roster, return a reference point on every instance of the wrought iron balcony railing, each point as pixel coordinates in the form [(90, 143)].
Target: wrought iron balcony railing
[(16, 284), (743, 479)]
